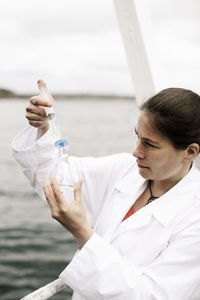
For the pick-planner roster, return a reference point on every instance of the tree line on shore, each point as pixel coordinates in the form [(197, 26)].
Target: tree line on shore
[(6, 93)]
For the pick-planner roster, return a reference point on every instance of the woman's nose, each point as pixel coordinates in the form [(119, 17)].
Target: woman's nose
[(138, 153)]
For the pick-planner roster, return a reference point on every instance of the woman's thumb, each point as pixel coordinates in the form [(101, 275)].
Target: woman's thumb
[(77, 190)]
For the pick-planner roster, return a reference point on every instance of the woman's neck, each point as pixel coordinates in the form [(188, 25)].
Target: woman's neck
[(160, 187)]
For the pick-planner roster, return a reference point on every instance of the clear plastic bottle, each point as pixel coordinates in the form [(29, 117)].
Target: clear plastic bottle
[(67, 184)]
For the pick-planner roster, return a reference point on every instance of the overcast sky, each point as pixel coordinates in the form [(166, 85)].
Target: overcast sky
[(75, 45)]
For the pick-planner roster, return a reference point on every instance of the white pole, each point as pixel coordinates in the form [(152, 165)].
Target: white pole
[(46, 291), (136, 30)]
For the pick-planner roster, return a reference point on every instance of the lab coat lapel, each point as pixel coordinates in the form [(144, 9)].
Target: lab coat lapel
[(167, 207), (126, 192), (123, 196), (139, 219)]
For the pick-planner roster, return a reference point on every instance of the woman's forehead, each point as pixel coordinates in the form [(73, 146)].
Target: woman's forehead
[(145, 128), (144, 123)]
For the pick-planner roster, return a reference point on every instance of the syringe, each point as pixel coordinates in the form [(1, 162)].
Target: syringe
[(50, 112)]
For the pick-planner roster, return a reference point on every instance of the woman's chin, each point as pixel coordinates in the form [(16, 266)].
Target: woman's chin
[(144, 172)]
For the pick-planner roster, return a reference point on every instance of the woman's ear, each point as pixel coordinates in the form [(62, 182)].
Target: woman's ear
[(192, 151)]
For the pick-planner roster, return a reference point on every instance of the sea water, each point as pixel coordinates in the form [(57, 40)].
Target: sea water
[(34, 248)]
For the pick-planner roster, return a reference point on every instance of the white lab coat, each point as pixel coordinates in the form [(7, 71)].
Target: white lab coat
[(152, 255)]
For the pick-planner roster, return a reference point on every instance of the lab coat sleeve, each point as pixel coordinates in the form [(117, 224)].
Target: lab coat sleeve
[(40, 161), (99, 272), (37, 158)]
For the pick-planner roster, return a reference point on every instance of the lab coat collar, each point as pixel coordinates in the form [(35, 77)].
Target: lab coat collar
[(123, 195), (177, 198), (130, 181), (167, 206)]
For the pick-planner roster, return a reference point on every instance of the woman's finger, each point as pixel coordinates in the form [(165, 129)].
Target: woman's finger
[(58, 195), (39, 125), (38, 110), (38, 100), (49, 195), (77, 191), (35, 117)]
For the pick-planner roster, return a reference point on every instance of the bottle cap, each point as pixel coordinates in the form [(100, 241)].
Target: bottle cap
[(61, 143)]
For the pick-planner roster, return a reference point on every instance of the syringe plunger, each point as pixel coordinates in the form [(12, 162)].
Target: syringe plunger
[(50, 112)]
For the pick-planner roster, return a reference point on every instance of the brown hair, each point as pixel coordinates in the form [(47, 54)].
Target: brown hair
[(175, 113)]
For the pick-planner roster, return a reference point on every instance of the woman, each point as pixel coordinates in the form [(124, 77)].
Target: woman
[(136, 219)]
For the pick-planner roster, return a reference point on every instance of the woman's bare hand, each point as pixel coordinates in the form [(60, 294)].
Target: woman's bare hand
[(72, 215), (36, 114)]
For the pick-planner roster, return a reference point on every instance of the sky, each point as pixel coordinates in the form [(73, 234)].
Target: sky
[(76, 46)]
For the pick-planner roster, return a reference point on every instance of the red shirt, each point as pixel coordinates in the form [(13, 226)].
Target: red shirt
[(129, 213)]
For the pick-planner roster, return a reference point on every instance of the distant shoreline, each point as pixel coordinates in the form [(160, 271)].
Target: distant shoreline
[(7, 94)]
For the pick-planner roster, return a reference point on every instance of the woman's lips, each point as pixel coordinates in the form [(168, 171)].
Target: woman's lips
[(141, 166)]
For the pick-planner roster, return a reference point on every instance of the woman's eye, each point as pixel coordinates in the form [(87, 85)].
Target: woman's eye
[(150, 145)]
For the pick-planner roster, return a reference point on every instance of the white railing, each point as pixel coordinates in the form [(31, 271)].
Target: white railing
[(46, 291)]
